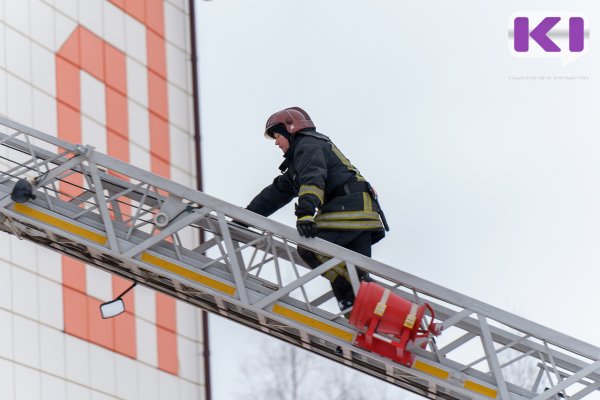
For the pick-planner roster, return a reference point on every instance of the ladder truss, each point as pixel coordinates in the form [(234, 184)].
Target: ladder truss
[(130, 222)]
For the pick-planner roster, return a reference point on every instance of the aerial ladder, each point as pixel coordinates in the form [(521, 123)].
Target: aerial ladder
[(132, 223)]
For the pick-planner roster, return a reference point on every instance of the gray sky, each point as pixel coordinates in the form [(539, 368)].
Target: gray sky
[(490, 184)]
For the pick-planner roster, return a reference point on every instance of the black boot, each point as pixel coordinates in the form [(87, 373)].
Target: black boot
[(342, 289)]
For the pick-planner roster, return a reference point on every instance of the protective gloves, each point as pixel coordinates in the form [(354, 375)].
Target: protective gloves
[(306, 226)]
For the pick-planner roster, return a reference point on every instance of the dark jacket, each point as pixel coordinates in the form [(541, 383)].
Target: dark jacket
[(316, 171)]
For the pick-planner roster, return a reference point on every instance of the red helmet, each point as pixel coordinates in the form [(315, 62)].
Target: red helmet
[(294, 119)]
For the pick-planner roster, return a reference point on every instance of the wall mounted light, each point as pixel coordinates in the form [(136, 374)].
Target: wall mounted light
[(23, 190)]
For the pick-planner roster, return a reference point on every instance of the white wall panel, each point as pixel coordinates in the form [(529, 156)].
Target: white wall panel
[(90, 15), (175, 26), (18, 53), (168, 386), (78, 392), (145, 303), (139, 157), (135, 39), (51, 303), (64, 26), (179, 107), (147, 349), (50, 264), (42, 23), (23, 253), (178, 68), (53, 388), (188, 352), (3, 109), (44, 113), (6, 335), (188, 391), (25, 293), (18, 100), (139, 127), (16, 14), (2, 40), (188, 322), (114, 26), (94, 134), (77, 360), (102, 363), (101, 396), (52, 351), (181, 4), (180, 149), (93, 98), (183, 177), (27, 383), (43, 69), (67, 7), (99, 283), (137, 81), (127, 378), (148, 382), (7, 378), (26, 341), (5, 285)]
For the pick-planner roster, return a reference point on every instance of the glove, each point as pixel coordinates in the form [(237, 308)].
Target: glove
[(306, 226)]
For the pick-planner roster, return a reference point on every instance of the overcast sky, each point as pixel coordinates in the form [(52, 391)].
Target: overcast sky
[(489, 180)]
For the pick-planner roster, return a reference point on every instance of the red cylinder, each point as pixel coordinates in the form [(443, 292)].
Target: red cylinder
[(377, 311)]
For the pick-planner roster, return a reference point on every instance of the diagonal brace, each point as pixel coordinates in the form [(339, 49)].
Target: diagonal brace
[(569, 381), (167, 231), (321, 269)]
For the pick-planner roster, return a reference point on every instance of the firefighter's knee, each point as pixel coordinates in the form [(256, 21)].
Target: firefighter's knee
[(308, 257)]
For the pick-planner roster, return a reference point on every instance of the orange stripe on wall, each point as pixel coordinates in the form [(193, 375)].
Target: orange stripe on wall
[(155, 16), (85, 51), (125, 332), (75, 311), (160, 147), (92, 54), (160, 156), (167, 351), (101, 331), (74, 274)]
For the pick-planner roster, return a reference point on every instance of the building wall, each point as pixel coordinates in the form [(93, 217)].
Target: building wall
[(114, 74)]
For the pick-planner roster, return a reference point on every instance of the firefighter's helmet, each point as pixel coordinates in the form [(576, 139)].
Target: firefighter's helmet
[(294, 119)]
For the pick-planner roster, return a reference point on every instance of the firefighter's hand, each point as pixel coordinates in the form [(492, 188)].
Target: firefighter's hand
[(306, 226)]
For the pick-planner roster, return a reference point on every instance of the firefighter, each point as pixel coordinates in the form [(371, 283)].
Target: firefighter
[(335, 202)]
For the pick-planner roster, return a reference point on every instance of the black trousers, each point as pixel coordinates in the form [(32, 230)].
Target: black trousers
[(358, 241)]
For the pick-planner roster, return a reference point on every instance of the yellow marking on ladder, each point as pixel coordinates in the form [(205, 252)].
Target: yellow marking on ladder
[(484, 390), (431, 370), (59, 223), (186, 273), (313, 323)]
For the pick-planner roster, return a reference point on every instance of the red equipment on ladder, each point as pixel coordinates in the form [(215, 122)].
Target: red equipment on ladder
[(381, 312)]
